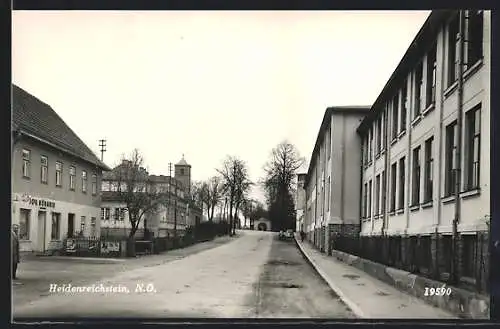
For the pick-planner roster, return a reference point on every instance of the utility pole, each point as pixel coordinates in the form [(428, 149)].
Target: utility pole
[(102, 145)]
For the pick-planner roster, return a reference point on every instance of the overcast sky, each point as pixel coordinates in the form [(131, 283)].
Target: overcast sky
[(205, 84)]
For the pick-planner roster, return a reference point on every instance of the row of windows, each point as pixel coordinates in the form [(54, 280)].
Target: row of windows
[(58, 174), (471, 156), (424, 97), (118, 214)]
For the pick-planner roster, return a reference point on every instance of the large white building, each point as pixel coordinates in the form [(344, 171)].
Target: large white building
[(333, 177), (176, 212), (426, 147), (417, 174)]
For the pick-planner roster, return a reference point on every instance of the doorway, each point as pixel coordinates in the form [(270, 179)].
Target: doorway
[(42, 222), (71, 225), (262, 227)]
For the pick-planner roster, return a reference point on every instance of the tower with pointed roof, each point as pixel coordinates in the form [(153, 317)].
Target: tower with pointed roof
[(183, 173)]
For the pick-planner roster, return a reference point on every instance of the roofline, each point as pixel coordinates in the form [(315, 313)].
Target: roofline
[(344, 110), (62, 149), (419, 44)]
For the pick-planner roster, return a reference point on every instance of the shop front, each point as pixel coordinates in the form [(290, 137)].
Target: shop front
[(44, 223)]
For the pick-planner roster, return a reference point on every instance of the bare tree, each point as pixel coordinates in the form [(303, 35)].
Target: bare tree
[(196, 194), (235, 182), (279, 183), (134, 188), (213, 192), (247, 209)]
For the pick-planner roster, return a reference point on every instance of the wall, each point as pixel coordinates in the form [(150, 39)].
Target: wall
[(65, 200)]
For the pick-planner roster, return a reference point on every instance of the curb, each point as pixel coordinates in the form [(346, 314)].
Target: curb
[(353, 306), (78, 259)]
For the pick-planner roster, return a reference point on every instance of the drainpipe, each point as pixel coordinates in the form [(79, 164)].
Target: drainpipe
[(458, 171), (386, 171), (409, 157)]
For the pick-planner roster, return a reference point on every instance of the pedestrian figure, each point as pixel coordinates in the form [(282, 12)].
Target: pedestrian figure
[(15, 251), (302, 235)]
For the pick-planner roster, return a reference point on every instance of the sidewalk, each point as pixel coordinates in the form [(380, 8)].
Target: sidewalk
[(366, 296)]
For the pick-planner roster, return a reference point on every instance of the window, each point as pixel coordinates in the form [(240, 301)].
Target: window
[(393, 186), (415, 185), (122, 214), (94, 184), (107, 213), (395, 108), (453, 44), (365, 200), (328, 143), (24, 224), (379, 135), (116, 214), (431, 76), (365, 150), (56, 226), (93, 226), (82, 224), (404, 100), (44, 162), (26, 163), (370, 145), (59, 169), (473, 145), (370, 198), (474, 37), (377, 195), (72, 174), (450, 159), (382, 130), (328, 201), (429, 172), (182, 171), (384, 191), (417, 107), (84, 181), (401, 183), (103, 213)]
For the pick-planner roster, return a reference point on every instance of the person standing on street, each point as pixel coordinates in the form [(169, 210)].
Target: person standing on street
[(15, 250)]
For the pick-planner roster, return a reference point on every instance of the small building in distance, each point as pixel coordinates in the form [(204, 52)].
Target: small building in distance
[(262, 224)]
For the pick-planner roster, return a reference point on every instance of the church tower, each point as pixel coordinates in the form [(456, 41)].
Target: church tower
[(183, 174)]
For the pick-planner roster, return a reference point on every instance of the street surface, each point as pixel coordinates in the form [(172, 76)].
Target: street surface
[(253, 276)]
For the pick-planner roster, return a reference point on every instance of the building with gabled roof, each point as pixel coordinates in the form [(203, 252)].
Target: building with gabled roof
[(55, 177)]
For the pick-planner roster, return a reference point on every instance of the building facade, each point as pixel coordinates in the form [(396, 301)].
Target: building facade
[(425, 145), (333, 177), (300, 202), (174, 212), (56, 178)]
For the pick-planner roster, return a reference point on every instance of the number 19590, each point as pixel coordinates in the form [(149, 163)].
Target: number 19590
[(437, 291)]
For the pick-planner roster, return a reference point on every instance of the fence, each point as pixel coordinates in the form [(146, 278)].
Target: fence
[(429, 256), (202, 232)]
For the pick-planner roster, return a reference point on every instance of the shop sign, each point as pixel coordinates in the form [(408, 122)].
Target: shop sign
[(108, 247), (42, 203)]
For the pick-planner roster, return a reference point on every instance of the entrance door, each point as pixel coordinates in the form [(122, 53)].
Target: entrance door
[(42, 222), (71, 225)]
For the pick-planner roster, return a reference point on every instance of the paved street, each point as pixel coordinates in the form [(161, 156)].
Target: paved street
[(254, 275), (35, 274)]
